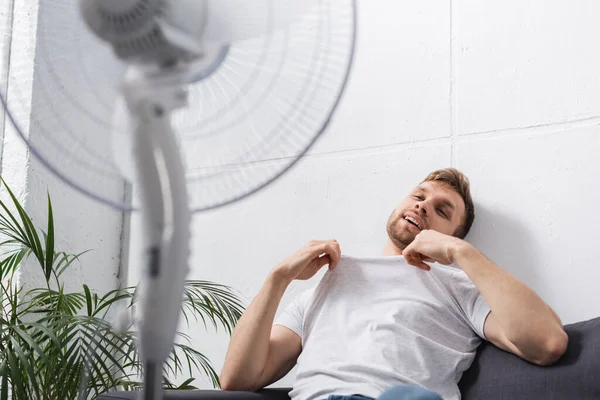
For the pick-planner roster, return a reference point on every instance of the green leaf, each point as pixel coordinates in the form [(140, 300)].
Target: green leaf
[(25, 337), (16, 227), (199, 361), (24, 358), (66, 355), (95, 350), (16, 378), (111, 298), (46, 333), (46, 301), (216, 302), (30, 234), (65, 261), (9, 265), (4, 371), (186, 385), (88, 299), (49, 241)]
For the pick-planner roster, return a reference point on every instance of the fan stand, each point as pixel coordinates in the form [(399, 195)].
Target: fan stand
[(151, 98)]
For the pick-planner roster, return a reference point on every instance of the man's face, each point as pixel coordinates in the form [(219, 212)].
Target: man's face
[(431, 205)]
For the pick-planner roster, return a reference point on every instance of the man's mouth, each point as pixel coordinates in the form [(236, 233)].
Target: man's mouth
[(413, 221)]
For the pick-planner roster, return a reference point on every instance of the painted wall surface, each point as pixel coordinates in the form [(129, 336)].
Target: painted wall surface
[(80, 224), (507, 92)]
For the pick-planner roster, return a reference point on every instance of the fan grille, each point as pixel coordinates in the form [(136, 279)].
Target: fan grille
[(248, 123)]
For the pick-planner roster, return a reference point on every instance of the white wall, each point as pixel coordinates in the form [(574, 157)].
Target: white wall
[(80, 224), (508, 92)]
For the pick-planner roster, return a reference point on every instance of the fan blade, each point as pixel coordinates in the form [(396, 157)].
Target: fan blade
[(231, 20), (122, 140)]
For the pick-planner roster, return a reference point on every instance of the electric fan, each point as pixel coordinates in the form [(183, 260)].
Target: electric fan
[(198, 103)]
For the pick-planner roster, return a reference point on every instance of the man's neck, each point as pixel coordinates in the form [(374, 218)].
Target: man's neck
[(391, 249)]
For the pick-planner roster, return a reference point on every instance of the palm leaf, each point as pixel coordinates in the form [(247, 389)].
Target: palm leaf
[(111, 299), (13, 226), (15, 375), (65, 261), (44, 300), (65, 355), (26, 365), (199, 361), (9, 265), (4, 372), (186, 385), (27, 229), (88, 299), (49, 257), (214, 301)]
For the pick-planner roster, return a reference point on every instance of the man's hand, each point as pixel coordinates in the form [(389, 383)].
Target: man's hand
[(305, 262), (431, 246)]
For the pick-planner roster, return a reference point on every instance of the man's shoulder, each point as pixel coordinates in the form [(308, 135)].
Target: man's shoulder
[(454, 280), (451, 272)]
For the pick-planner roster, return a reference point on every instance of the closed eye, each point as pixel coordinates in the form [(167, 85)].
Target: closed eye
[(442, 213), (418, 197)]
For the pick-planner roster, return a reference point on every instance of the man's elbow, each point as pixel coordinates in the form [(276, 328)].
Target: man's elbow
[(227, 384), (234, 385), (554, 349)]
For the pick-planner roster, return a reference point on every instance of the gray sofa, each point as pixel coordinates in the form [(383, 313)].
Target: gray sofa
[(494, 375)]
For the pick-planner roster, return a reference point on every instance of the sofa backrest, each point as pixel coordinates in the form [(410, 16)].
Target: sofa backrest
[(496, 374)]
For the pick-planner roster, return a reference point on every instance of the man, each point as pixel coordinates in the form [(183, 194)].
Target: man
[(402, 326)]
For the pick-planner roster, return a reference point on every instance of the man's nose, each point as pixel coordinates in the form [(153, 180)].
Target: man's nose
[(421, 207)]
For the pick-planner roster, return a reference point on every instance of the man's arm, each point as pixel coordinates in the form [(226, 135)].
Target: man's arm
[(520, 321), (257, 351), (260, 353)]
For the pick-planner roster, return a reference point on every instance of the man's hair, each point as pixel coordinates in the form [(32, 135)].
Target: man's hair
[(460, 183)]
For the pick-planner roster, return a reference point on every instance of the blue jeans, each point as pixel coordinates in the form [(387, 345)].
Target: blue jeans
[(400, 392)]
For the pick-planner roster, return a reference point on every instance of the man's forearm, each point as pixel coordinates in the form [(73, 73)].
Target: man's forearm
[(526, 320), (249, 345)]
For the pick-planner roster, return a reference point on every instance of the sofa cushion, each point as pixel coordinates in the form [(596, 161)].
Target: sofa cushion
[(265, 394), (496, 374)]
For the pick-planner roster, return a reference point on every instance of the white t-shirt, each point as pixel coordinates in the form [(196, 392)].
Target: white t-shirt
[(377, 322)]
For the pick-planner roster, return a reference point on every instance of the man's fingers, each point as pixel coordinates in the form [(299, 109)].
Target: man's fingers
[(320, 262), (316, 245), (329, 247), (334, 255), (416, 260), (424, 266)]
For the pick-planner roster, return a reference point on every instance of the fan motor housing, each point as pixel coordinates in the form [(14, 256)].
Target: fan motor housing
[(145, 31)]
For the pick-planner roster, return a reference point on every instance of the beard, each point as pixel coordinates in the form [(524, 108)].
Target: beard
[(399, 232)]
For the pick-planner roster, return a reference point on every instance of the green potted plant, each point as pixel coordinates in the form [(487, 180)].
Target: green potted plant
[(59, 345)]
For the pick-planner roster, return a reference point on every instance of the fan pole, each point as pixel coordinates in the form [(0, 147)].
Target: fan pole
[(166, 218)]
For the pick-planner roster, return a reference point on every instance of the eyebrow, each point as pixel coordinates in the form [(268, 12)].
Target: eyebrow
[(445, 202)]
